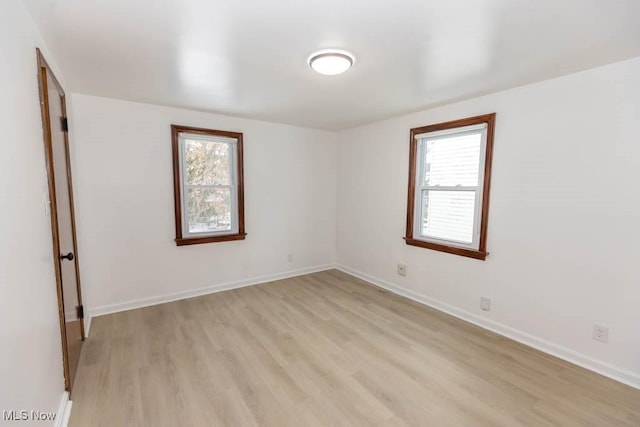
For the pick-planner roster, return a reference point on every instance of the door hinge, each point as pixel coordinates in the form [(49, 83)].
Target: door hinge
[(65, 124), (80, 311)]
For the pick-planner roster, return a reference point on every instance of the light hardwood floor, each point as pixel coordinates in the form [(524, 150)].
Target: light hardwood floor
[(326, 349)]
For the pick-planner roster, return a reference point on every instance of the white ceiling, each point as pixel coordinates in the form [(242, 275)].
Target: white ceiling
[(248, 58)]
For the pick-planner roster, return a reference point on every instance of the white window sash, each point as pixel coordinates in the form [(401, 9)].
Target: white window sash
[(421, 141), (458, 131), (440, 240), (183, 136)]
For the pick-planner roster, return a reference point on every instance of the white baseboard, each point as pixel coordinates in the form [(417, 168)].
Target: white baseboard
[(161, 299), (64, 411), (624, 376)]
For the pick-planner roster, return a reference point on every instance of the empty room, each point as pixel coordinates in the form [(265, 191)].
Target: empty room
[(320, 213)]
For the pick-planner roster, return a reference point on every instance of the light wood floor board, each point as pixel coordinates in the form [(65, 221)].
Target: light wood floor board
[(326, 349)]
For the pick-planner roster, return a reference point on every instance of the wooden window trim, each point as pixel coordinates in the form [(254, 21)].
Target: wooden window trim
[(176, 130), (481, 253)]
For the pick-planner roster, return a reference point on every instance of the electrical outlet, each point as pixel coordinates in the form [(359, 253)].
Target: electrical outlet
[(402, 269), (600, 333), (485, 304), (290, 257)]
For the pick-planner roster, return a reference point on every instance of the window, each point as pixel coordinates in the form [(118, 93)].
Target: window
[(449, 179), (208, 185)]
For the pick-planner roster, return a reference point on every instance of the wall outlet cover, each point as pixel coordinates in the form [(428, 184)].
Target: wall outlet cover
[(600, 333), (402, 269)]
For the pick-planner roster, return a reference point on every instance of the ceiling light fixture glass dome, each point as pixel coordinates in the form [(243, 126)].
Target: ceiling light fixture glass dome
[(331, 61)]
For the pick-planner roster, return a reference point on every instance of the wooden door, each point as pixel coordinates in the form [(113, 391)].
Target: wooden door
[(65, 252)]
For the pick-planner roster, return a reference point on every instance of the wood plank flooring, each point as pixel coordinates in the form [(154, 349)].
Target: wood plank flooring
[(326, 349)]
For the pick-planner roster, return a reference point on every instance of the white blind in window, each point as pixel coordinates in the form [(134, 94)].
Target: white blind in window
[(452, 161), (448, 215)]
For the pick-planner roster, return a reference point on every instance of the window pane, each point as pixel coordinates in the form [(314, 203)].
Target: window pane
[(207, 162), (448, 215), (209, 209), (452, 160)]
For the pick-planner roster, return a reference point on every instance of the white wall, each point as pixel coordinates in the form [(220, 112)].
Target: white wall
[(31, 375), (563, 230), (124, 185)]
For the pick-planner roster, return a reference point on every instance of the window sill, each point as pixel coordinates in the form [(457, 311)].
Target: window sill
[(471, 253), (209, 239)]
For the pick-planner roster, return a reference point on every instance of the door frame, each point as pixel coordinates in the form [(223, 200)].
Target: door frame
[(45, 71)]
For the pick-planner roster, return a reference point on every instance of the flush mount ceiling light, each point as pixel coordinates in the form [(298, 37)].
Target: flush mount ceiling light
[(331, 62)]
